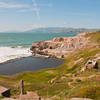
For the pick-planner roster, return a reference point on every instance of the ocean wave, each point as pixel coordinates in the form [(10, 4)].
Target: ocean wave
[(9, 53), (18, 47)]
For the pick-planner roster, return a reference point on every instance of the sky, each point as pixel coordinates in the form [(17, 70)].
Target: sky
[(22, 15)]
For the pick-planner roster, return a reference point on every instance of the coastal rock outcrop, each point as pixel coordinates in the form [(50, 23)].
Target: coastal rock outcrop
[(60, 46)]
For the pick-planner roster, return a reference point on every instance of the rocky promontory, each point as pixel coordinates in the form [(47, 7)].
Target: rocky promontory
[(60, 47)]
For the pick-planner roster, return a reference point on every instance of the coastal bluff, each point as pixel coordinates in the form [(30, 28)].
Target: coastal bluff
[(60, 47)]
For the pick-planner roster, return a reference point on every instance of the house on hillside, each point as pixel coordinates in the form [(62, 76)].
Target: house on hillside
[(4, 91), (90, 64)]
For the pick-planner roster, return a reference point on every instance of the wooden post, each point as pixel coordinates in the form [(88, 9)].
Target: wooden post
[(22, 87), (39, 98)]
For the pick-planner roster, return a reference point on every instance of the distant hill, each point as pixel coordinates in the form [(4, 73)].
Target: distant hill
[(62, 30)]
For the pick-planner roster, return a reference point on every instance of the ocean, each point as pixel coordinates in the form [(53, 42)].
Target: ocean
[(26, 39), (17, 45)]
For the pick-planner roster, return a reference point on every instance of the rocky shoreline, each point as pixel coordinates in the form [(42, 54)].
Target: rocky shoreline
[(60, 47)]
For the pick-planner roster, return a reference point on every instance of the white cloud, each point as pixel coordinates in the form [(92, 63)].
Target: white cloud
[(4, 28), (29, 27), (24, 28), (36, 7), (22, 7), (8, 5), (27, 10), (76, 13), (46, 5)]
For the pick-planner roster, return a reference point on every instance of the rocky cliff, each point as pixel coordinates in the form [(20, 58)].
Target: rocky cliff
[(60, 46)]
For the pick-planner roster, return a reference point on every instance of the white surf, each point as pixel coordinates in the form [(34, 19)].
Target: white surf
[(9, 53)]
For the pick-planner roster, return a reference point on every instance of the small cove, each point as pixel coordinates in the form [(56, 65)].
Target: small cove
[(16, 45), (29, 64)]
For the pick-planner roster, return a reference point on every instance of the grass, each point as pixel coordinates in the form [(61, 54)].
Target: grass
[(94, 37), (92, 92), (1, 97), (66, 80)]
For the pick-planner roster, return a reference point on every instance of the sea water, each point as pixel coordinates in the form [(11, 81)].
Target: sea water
[(17, 45), (29, 64)]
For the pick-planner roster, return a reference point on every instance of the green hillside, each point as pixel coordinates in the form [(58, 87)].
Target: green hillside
[(66, 81)]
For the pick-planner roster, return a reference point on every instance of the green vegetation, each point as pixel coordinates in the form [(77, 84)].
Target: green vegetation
[(92, 92), (66, 81), (1, 97), (94, 37)]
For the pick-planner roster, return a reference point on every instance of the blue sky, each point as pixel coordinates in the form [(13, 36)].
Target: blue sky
[(23, 15)]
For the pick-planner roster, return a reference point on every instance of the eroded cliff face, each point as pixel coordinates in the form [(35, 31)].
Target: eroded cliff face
[(60, 47)]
